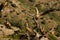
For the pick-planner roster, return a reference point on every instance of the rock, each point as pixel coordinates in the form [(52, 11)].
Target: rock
[(2, 26), (8, 31), (58, 38), (15, 28), (44, 38), (1, 34), (5, 30)]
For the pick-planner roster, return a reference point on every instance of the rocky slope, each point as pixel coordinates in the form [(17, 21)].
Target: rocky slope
[(29, 19)]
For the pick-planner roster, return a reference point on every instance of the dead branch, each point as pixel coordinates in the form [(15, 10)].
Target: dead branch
[(50, 10)]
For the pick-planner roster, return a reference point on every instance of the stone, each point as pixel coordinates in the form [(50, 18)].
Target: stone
[(44, 38)]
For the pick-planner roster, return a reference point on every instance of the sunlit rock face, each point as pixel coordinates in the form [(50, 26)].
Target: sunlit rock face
[(6, 31)]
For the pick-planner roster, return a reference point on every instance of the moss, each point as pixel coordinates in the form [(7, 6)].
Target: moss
[(58, 28), (22, 1), (52, 37), (54, 16), (39, 7)]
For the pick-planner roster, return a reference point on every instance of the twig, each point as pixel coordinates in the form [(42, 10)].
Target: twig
[(50, 10)]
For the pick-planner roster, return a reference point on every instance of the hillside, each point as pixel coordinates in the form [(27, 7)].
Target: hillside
[(29, 19)]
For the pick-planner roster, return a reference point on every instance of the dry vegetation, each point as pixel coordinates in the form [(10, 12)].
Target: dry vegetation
[(29, 20)]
